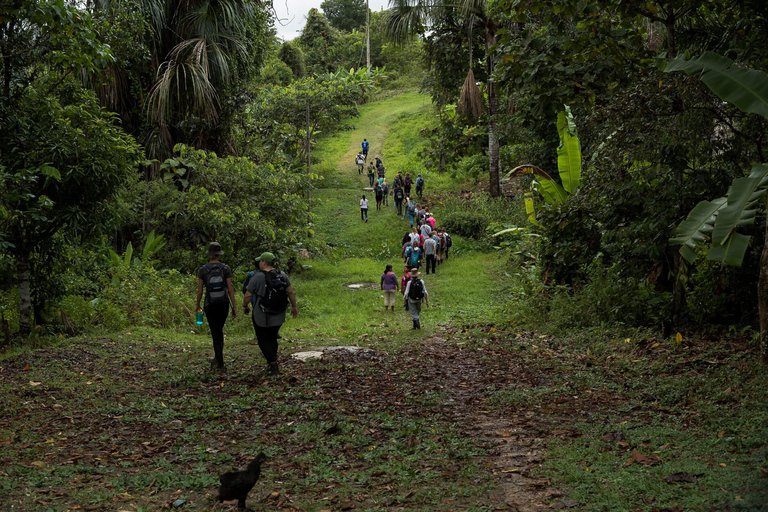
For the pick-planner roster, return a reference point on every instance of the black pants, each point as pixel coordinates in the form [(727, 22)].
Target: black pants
[(267, 337), (431, 261), (217, 316)]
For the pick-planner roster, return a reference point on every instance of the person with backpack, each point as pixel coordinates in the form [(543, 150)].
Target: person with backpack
[(404, 280), (413, 255), (273, 291), (379, 196), (440, 239), (419, 186), (216, 278), (389, 285), (407, 184), (398, 180), (364, 209), (415, 294), (410, 210), (365, 148), (371, 173), (448, 243), (398, 196), (360, 161)]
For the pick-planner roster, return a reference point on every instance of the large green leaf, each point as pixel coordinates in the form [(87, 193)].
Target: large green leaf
[(745, 88), (732, 253), (530, 208), (742, 206), (694, 229), (551, 191), (569, 152)]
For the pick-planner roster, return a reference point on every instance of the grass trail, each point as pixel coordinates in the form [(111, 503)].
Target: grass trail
[(465, 287)]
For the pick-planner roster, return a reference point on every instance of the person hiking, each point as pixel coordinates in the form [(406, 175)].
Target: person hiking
[(385, 191), (360, 161), (216, 278), (430, 253), (415, 294), (431, 220), (448, 244), (413, 255), (421, 214), (398, 196), (365, 148), (398, 180), (381, 171), (273, 291), (378, 162), (371, 173), (379, 196), (364, 209), (425, 229), (390, 286), (419, 186), (404, 280), (407, 184), (410, 209), (440, 239), (380, 181)]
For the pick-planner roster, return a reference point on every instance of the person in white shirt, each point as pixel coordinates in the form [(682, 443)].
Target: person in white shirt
[(364, 209), (360, 161)]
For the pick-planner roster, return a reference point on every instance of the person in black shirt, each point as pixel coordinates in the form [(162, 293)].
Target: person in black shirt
[(216, 278)]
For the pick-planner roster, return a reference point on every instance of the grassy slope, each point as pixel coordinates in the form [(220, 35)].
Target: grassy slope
[(329, 310)]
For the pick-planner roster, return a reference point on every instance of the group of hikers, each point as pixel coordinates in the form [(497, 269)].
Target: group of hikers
[(424, 245), (402, 201), (267, 291)]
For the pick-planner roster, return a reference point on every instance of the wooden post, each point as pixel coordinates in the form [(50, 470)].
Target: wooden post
[(309, 171)]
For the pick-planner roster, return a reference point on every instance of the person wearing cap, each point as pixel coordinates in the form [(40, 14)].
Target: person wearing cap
[(365, 145), (414, 297), (216, 278), (268, 323)]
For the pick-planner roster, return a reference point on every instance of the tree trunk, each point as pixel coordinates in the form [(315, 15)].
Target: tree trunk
[(678, 292), (25, 302), (762, 299), (494, 188)]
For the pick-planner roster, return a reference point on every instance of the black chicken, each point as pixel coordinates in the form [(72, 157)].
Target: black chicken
[(236, 485)]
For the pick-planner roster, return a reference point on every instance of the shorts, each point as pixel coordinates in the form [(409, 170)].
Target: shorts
[(389, 298)]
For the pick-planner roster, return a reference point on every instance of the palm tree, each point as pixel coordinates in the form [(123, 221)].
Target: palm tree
[(195, 49), (408, 18)]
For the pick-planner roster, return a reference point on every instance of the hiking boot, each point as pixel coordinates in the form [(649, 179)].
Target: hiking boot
[(415, 323), (418, 324), (273, 369)]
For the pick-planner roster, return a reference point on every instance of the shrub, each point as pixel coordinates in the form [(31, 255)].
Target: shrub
[(466, 224)]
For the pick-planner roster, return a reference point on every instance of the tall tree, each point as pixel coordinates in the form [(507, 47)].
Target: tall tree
[(61, 155), (346, 15), (410, 18), (196, 53)]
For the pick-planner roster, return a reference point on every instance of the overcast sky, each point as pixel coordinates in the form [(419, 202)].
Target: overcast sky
[(293, 15)]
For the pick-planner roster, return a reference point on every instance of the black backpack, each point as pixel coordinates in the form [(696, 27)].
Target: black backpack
[(419, 182), (448, 242), (416, 291), (399, 194), (216, 284), (275, 299)]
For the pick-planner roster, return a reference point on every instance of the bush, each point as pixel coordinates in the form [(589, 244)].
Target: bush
[(466, 224)]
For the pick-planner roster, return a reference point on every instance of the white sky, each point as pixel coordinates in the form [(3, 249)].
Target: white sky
[(293, 15)]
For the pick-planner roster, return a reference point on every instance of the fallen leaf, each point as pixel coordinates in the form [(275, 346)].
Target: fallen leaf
[(26, 368), (679, 338), (565, 504), (645, 460), (680, 477), (32, 383), (348, 506)]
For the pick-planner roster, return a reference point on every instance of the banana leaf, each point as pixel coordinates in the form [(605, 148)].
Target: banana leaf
[(551, 191), (569, 152), (732, 253), (695, 229), (745, 88), (740, 210), (530, 208)]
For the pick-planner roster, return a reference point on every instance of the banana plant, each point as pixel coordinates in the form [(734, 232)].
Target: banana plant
[(716, 222), (568, 167)]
